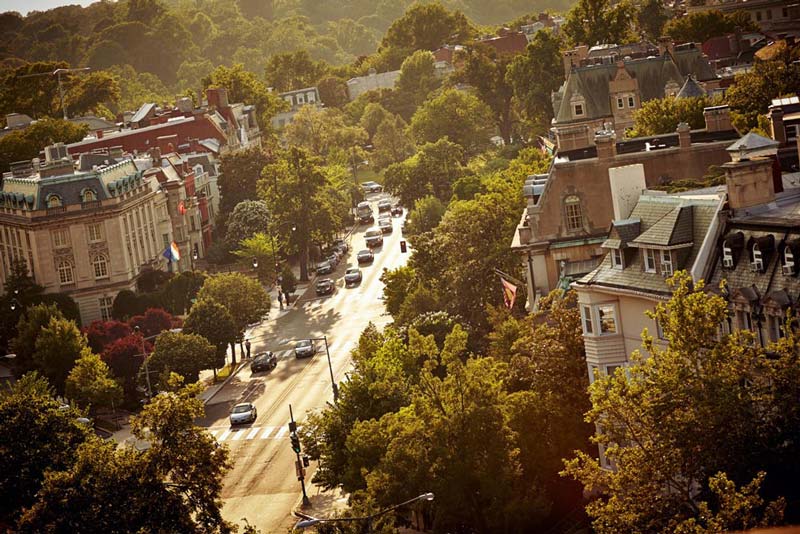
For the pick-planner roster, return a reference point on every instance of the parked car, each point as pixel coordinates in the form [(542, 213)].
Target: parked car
[(352, 276), (324, 286), (243, 413), (397, 210), (364, 212), (371, 187), (385, 225), (304, 348), (365, 256), (342, 244), (374, 237), (334, 258), (324, 267), (384, 205), (264, 361)]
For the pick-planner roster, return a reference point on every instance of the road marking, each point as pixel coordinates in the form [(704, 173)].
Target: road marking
[(213, 432), (237, 434), (224, 435), (253, 431), (267, 431), (281, 431)]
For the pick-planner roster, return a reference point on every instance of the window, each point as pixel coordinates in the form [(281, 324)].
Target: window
[(607, 320), (617, 260), (53, 201), (611, 369), (631, 102), (620, 102), (574, 213), (578, 110), (758, 16), (301, 99), (310, 98), (727, 256), (785, 12), (666, 263), (743, 320), (586, 317), (775, 325), (649, 260), (95, 232), (769, 14), (106, 304), (758, 259), (788, 261), (659, 330), (61, 237), (89, 195), (288, 98), (100, 266), (66, 274)]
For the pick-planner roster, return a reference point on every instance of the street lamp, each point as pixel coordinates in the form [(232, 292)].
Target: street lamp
[(272, 232), (334, 386), (255, 263), (313, 521), (9, 356), (146, 371)]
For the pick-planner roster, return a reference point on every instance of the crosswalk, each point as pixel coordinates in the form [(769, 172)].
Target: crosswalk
[(245, 433)]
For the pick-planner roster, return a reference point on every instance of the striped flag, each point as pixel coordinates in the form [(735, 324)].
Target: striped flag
[(172, 252), (509, 293)]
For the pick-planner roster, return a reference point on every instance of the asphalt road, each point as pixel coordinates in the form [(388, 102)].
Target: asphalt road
[(262, 485)]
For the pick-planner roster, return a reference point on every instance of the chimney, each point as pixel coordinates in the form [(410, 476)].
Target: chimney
[(155, 156), (99, 134), (684, 135), (776, 128), (718, 119), (606, 143), (749, 182), (217, 97)]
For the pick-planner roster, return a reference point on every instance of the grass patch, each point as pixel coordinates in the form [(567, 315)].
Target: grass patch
[(367, 174)]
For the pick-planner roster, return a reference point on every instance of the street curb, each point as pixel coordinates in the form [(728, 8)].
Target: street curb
[(225, 382)]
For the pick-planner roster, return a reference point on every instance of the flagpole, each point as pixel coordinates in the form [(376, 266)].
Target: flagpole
[(507, 276)]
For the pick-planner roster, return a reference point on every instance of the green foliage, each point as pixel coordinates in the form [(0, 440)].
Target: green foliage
[(427, 27), (90, 92), (33, 95), (486, 71), (431, 171), (535, 75), (57, 347), (244, 86), (31, 324), (210, 319), (137, 88), (699, 26), (753, 91), (243, 297), (662, 115), (248, 218), (322, 131), (396, 285), (26, 143), (184, 354), (714, 410), (259, 246), (293, 70), (391, 142), (416, 82), (239, 174), (651, 16), (427, 213), (591, 22), (90, 383), (178, 292), (457, 115), (333, 91), (374, 114)]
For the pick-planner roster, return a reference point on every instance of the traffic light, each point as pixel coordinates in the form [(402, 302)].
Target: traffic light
[(403, 247), (306, 460), (295, 442)]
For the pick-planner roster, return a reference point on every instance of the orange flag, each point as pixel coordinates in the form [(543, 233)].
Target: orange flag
[(509, 293)]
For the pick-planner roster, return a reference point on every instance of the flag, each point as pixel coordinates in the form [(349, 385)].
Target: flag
[(181, 208), (509, 293), (172, 252)]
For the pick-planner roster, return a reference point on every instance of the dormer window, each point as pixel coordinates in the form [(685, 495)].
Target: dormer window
[(666, 263), (617, 259), (89, 196), (788, 262), (727, 256), (54, 201), (757, 265), (649, 260), (577, 110)]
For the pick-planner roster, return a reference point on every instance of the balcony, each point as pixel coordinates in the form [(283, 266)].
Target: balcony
[(56, 210), (91, 205)]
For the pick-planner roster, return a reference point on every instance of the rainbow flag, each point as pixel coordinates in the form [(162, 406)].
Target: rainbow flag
[(172, 252)]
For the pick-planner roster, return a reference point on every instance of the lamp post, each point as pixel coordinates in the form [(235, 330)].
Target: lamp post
[(334, 386), (313, 521), (194, 257), (146, 371)]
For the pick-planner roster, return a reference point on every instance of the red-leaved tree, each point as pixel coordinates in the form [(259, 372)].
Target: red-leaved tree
[(100, 334), (153, 322), (124, 357)]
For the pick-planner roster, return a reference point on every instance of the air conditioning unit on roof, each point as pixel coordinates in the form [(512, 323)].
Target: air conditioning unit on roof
[(727, 262), (788, 270)]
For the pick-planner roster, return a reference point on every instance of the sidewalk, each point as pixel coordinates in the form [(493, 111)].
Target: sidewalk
[(324, 504)]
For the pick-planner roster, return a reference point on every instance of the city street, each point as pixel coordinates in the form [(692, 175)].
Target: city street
[(262, 485)]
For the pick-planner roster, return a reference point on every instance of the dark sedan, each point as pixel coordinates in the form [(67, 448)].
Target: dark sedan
[(324, 267), (265, 361), (397, 210), (324, 286), (365, 256), (384, 205)]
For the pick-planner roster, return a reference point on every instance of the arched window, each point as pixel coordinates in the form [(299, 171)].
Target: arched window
[(727, 256), (100, 266), (788, 261), (89, 195), (573, 213), (66, 274), (758, 259), (53, 201)]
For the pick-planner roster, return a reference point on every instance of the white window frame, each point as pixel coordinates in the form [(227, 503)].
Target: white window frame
[(649, 260), (617, 259), (775, 327), (66, 273), (659, 330), (599, 315), (61, 237), (788, 258), (95, 232), (667, 268), (586, 320), (311, 97), (758, 257), (577, 109), (573, 213), (106, 305), (300, 98), (743, 319), (54, 201), (88, 196), (100, 266), (727, 256)]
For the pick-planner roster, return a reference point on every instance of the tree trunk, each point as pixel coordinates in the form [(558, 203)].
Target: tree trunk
[(233, 353), (304, 264)]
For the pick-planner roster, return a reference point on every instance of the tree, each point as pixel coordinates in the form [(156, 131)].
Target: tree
[(591, 22), (99, 334), (125, 357), (239, 174), (35, 437), (260, 247), (651, 16), (374, 114), (210, 319), (333, 91), (249, 217), (431, 171), (662, 115), (152, 322), (459, 116), (30, 326), (180, 290), (92, 92), (90, 384), (257, 8), (707, 407), (243, 297), (184, 354), (32, 95), (535, 75), (700, 26), (58, 345), (391, 143), (25, 144), (425, 215), (321, 130), (396, 285), (243, 86), (427, 27), (293, 70), (753, 91), (417, 80)]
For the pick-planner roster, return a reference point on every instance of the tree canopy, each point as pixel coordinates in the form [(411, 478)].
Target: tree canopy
[(457, 115)]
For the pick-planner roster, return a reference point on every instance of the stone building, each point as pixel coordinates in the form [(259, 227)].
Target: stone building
[(296, 99)]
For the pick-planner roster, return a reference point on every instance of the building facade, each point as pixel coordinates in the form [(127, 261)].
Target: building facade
[(373, 80), (308, 96)]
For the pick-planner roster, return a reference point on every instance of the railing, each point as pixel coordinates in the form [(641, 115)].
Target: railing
[(91, 205), (56, 210)]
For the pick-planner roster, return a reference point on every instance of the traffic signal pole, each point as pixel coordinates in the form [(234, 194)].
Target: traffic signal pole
[(295, 440)]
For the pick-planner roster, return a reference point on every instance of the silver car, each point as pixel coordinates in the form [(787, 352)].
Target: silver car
[(243, 413), (304, 348)]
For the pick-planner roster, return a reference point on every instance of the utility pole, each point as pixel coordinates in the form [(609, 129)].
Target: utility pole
[(295, 440), (57, 73)]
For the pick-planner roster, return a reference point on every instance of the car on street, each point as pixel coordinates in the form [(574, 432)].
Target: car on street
[(341, 244), (384, 205), (334, 258), (324, 267), (264, 361), (352, 276), (365, 256), (324, 286), (397, 210), (374, 237), (385, 225), (364, 212), (371, 187), (304, 348), (243, 413)]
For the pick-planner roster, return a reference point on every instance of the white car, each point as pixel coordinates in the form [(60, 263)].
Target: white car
[(243, 413), (371, 187), (374, 237)]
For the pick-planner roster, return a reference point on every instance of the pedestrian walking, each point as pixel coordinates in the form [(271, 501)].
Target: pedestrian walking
[(247, 347), (286, 298), (280, 298)]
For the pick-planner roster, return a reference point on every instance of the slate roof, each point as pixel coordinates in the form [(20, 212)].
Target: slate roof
[(673, 228), (142, 112), (622, 232), (691, 89), (692, 61), (752, 142)]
